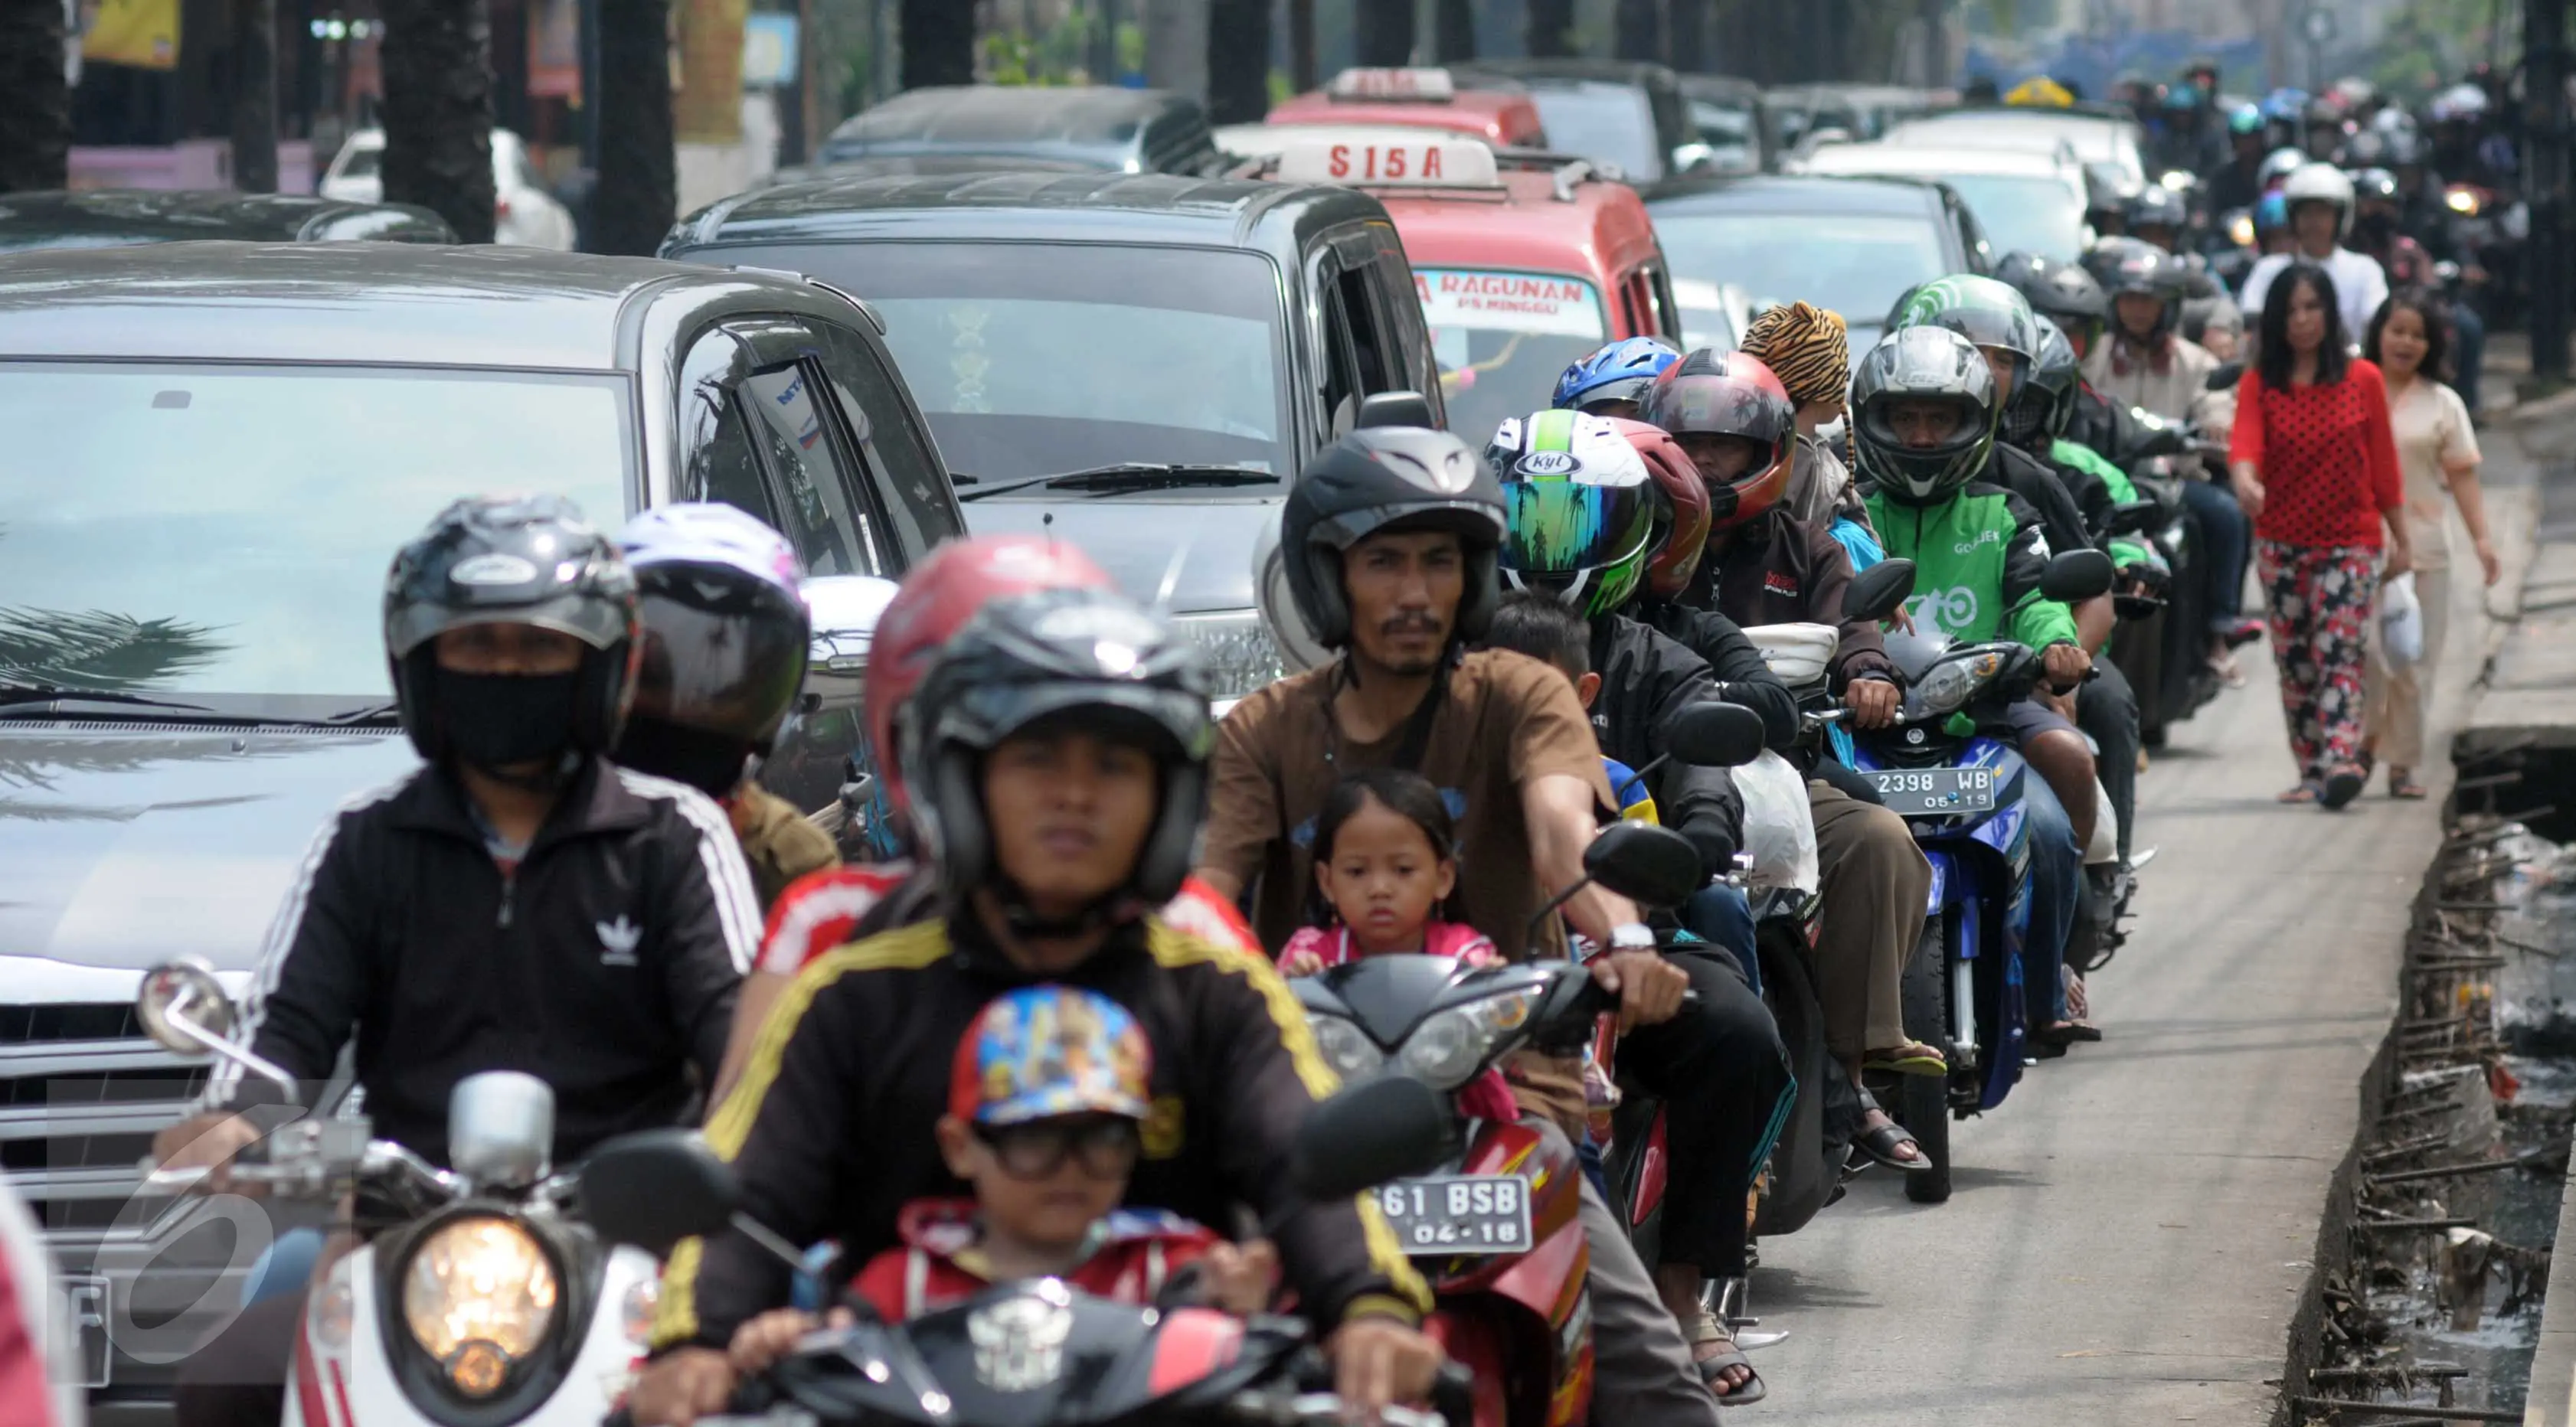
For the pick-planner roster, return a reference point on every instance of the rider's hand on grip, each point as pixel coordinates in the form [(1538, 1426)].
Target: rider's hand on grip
[(1379, 1362), (1649, 988), (681, 1387), (208, 1142)]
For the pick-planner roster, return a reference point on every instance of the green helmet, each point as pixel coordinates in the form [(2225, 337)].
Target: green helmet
[(1923, 363), (1986, 312), (1582, 510)]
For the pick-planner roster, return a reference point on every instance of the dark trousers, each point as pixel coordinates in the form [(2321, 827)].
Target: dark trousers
[(1724, 1079), (2106, 708), (2225, 536), (237, 1378)]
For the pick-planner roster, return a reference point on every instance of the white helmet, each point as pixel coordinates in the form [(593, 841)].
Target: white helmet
[(2321, 183)]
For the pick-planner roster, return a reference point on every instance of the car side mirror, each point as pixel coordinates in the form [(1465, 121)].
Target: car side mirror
[(1395, 408), (1714, 734), (2227, 375), (1878, 592), (1649, 865), (1386, 1128), (2134, 517), (654, 1188), (2076, 576)]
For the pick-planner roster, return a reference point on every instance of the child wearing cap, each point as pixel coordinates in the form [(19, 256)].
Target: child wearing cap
[(1047, 1105)]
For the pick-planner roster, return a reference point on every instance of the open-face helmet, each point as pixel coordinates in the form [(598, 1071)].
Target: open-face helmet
[(1923, 363), (2320, 183), (1388, 478)]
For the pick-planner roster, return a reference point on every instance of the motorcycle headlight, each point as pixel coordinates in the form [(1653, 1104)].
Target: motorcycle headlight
[(1948, 684), (2240, 230), (478, 1296), (2461, 201), (1347, 1048), (1445, 1050), (1241, 656)]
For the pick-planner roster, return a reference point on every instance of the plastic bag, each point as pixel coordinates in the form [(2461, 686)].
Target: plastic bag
[(1778, 830), (2401, 621)]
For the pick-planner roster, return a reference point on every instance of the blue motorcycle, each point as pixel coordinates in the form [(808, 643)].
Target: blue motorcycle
[(1961, 792)]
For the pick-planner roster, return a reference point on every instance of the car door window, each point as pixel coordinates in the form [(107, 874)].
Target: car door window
[(1368, 344), (1661, 305), (1399, 299), (893, 444), (716, 459), (1340, 370), (835, 536)]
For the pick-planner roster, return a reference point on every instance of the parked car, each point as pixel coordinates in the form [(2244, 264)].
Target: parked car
[(524, 213), (1850, 244), (1099, 127), (1726, 114), (1135, 363), (2025, 202), (1614, 111), (129, 217), (1416, 99), (2094, 132), (218, 448)]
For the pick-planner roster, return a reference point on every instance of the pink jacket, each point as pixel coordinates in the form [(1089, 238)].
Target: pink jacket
[(1488, 1096)]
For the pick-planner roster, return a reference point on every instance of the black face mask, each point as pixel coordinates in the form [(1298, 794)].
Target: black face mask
[(504, 720), (708, 762)]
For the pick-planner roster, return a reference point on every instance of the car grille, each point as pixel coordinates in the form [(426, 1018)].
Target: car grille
[(81, 1093)]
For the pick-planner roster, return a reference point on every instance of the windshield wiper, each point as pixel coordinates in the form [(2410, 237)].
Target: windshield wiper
[(364, 713), (1123, 476), (15, 693)]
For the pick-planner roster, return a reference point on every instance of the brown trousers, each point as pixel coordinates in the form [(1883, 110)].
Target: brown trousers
[(1875, 886)]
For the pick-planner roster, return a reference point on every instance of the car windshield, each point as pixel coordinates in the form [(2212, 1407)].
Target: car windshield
[(226, 529), (1728, 130), (1032, 358), (1858, 264), (1602, 121), (2024, 212), (1503, 338)]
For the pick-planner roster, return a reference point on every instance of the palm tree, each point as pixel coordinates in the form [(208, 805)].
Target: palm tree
[(638, 193), (35, 97), (437, 62), (93, 649), (1383, 32), (938, 42), (1238, 61)]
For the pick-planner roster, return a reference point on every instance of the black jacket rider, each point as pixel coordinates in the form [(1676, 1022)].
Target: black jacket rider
[(1647, 678), (605, 963)]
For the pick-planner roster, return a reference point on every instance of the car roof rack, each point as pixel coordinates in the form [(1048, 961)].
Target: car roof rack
[(1570, 170)]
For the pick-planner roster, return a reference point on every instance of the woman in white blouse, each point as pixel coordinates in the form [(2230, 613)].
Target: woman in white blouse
[(2438, 452)]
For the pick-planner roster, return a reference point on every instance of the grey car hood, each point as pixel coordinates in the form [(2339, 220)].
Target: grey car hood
[(1201, 548), (125, 844)]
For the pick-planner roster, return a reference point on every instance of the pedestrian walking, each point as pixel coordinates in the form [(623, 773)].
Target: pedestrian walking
[(2316, 466), (2437, 456)]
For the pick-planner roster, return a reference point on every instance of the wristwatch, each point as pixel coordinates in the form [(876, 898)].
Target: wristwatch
[(1632, 936)]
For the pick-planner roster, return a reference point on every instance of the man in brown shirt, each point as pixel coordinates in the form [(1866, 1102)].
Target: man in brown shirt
[(1390, 541)]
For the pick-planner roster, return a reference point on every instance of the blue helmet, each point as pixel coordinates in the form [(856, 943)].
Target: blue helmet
[(2272, 213), (1620, 371), (2245, 119)]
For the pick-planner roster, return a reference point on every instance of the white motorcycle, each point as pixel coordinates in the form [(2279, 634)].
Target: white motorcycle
[(486, 1300)]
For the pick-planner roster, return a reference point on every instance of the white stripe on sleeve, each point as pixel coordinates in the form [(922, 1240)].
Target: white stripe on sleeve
[(728, 876)]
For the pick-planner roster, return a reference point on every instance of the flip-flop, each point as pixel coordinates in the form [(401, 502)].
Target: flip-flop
[(2304, 793), (2342, 786), (2225, 668), (1708, 1330), (1911, 1058), (2402, 784), (2066, 1033)]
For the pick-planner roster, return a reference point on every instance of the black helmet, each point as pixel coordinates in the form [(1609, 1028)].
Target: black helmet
[(512, 560), (2058, 378), (1924, 363), (2062, 292), (2374, 183), (725, 642), (2157, 206), (1088, 655), (1380, 478)]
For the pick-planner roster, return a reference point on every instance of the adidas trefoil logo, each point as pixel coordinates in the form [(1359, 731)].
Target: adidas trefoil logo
[(617, 941)]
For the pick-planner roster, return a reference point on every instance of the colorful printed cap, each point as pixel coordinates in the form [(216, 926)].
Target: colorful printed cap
[(1044, 1051)]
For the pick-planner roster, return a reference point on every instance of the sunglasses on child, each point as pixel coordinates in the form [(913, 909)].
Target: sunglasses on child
[(1105, 1144)]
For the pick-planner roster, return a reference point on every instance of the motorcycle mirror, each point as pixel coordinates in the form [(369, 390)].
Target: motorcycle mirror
[(2135, 517), (185, 1009), (654, 1188), (1711, 734), (2075, 576), (501, 1128), (1381, 1129), (1651, 866), (1395, 408), (1878, 592), (2225, 376)]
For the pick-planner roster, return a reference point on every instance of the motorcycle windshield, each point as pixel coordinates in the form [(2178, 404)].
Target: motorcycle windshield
[(1914, 652)]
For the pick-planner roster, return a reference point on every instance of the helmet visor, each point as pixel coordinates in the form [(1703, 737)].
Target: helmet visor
[(1716, 406), (1562, 527), (730, 666)]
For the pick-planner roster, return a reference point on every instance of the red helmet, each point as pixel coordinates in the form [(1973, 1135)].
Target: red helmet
[(1730, 394), (1669, 573), (938, 596)]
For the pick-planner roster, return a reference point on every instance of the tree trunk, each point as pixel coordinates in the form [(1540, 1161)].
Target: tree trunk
[(1301, 46), (1551, 29), (1382, 32), (1690, 35), (638, 193), (938, 42), (1453, 34), (255, 95), (1238, 61), (1636, 30), (35, 99), (437, 63)]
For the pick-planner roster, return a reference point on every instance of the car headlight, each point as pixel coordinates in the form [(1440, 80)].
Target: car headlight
[(1948, 684), (1241, 656), (478, 1296), (1347, 1048), (1446, 1049)]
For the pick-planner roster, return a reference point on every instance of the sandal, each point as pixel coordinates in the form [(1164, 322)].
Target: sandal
[(2402, 784), (1706, 1330), (1909, 1058), (2224, 666), (2343, 785), (2062, 1034), (2307, 792), (1879, 1144)]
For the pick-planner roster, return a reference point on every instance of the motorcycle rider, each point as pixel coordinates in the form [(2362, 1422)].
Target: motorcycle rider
[(725, 635), (519, 903), (2237, 183), (1925, 414), (1808, 350), (1391, 537), (2158, 216), (2147, 363), (2320, 201), (1056, 756), (2380, 231), (1610, 380)]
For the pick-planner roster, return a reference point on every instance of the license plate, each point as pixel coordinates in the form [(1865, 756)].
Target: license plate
[(85, 1313), (1448, 1215), (1935, 792)]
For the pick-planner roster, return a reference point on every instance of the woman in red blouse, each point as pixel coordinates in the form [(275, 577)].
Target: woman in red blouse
[(2316, 467)]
